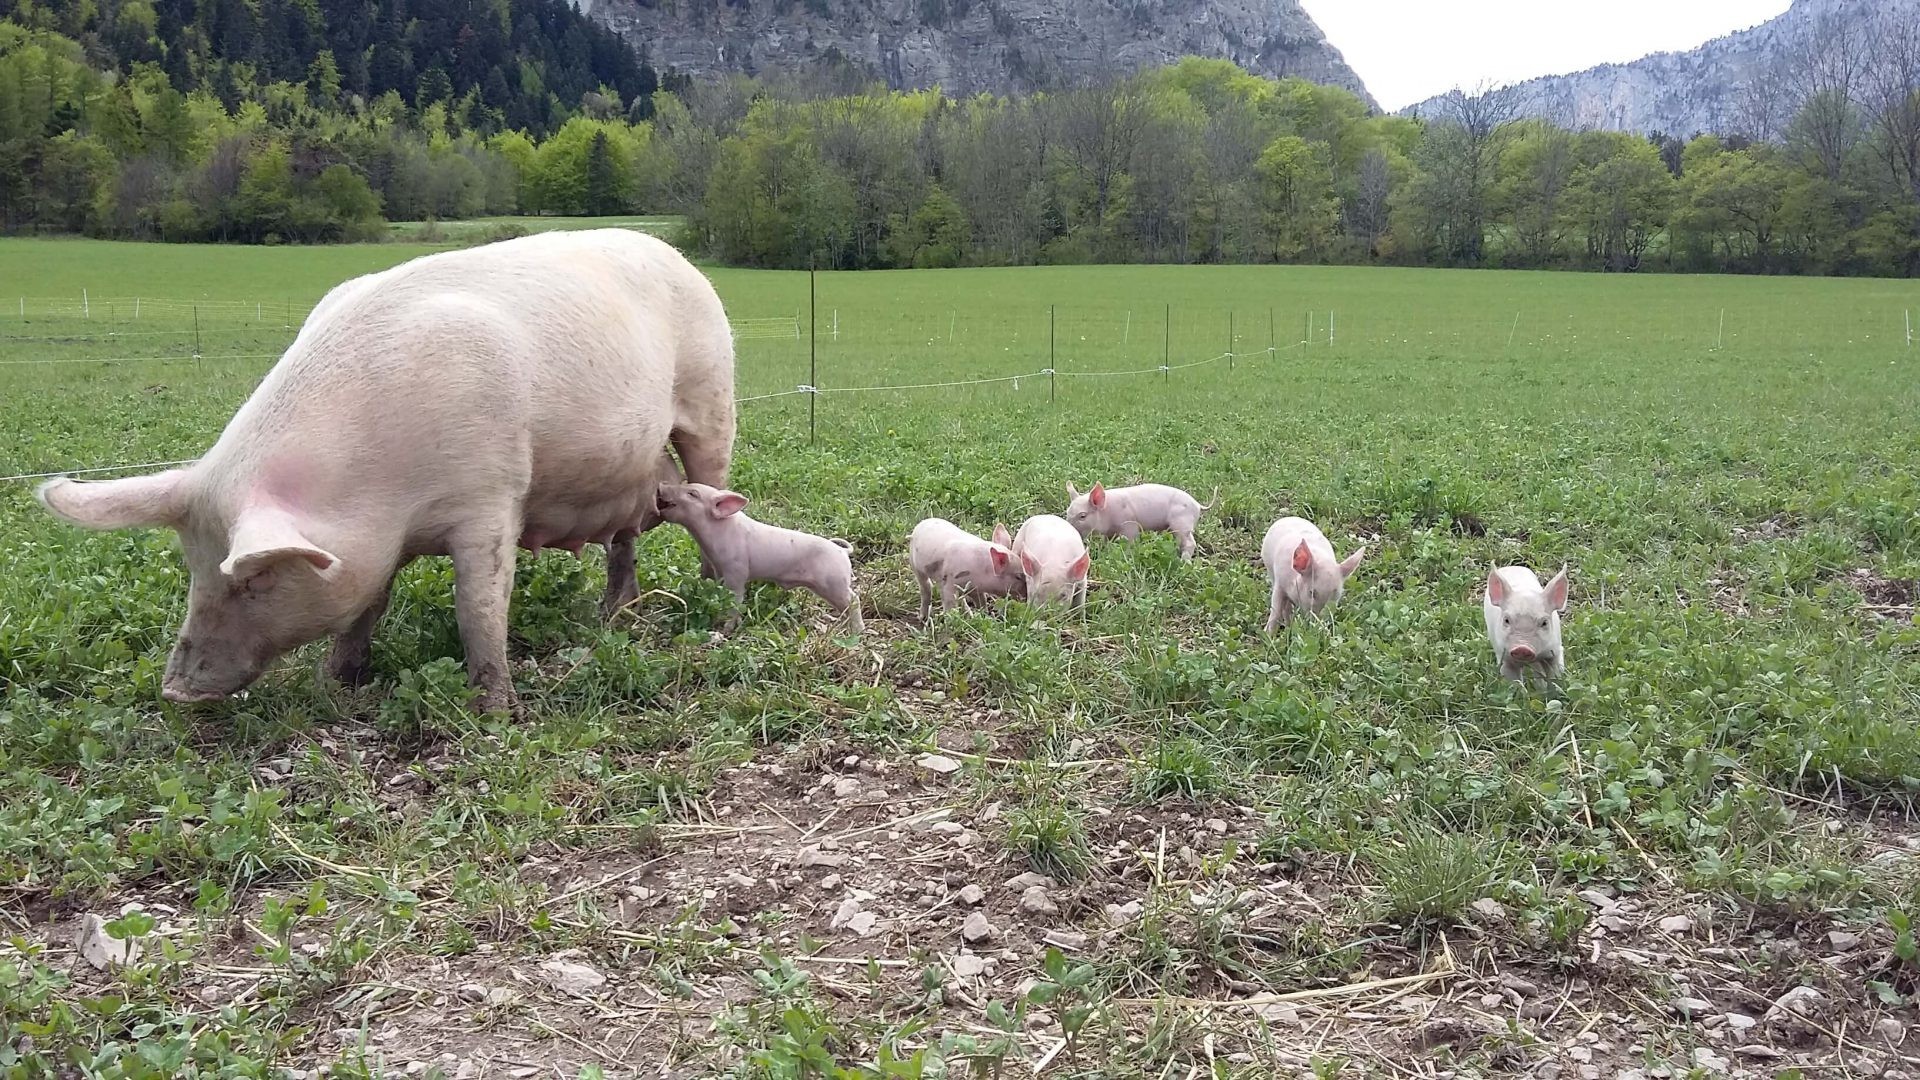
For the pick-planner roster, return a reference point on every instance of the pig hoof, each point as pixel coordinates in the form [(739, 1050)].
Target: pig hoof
[(355, 671), (497, 700)]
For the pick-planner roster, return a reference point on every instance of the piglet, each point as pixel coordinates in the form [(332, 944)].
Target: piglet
[(1303, 568), (1054, 560), (961, 562), (742, 549), (1523, 621), (1127, 511)]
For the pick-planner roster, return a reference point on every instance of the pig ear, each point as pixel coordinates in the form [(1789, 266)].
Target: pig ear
[(1001, 537), (1072, 492), (1078, 571), (1351, 563), (264, 536), (728, 503), (137, 501), (1557, 591), (1028, 565), (1302, 558), (1496, 587), (998, 556), (1098, 496)]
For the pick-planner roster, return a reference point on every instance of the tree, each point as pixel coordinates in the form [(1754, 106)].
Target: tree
[(602, 178), (1621, 192), (935, 235), (323, 80), (1534, 176), (1296, 197), (1459, 161)]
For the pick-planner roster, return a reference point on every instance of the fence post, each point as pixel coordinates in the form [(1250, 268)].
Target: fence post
[(1329, 328), (1720, 336), (1306, 336), (136, 309), (1050, 374), (813, 351), (1230, 342), (1166, 348), (1908, 312), (196, 333), (86, 310), (1270, 340)]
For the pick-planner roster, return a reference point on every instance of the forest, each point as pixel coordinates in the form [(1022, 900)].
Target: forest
[(284, 122)]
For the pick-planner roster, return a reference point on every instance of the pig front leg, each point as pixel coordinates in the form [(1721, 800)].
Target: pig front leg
[(1128, 531), (482, 592), (1281, 611), (350, 662), (949, 595), (623, 586)]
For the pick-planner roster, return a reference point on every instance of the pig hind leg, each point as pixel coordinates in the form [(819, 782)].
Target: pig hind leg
[(350, 662), (482, 591), (926, 597)]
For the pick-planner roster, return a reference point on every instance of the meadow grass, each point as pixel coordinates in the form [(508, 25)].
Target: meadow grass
[(1727, 465)]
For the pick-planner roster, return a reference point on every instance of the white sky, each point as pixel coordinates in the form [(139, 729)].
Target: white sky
[(1410, 50)]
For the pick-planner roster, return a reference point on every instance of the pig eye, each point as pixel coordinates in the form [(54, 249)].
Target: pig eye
[(1506, 620), (1543, 623)]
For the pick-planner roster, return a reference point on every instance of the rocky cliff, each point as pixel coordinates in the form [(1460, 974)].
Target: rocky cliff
[(1734, 84), (970, 46)]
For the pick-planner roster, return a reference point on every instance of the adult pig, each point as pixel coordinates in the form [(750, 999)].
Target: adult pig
[(461, 404)]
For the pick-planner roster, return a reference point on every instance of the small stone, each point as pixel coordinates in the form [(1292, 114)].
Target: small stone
[(1758, 1051), (863, 923), (101, 949), (945, 828), (473, 992), (1579, 1054), (1036, 901), (846, 787), (830, 882), (501, 996), (967, 965), (972, 895), (1023, 882), (1691, 1007), (843, 916), (1487, 909), (1676, 924), (1518, 985), (1589, 1072), (1739, 1023), (1794, 1004), (1066, 940), (811, 855), (1843, 941), (1704, 1058), (738, 880), (1278, 1012), (1598, 899), (416, 1068), (1121, 914), (573, 978), (1217, 826), (977, 929), (1892, 1030), (522, 1073), (937, 763)]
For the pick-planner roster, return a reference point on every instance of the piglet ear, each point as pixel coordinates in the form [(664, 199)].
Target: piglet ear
[(1028, 565), (998, 556), (1302, 558), (1557, 591), (1002, 537), (1351, 563), (1098, 496), (1078, 571), (265, 535), (1496, 587), (1072, 492), (728, 503)]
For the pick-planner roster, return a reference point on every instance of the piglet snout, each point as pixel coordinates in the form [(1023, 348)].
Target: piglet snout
[(1522, 654)]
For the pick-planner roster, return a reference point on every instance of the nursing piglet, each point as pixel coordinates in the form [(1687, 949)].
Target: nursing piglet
[(1127, 511), (1305, 573), (1523, 621), (741, 549), (961, 562), (1054, 560)]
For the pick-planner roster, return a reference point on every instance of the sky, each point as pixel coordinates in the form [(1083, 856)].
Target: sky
[(1409, 50)]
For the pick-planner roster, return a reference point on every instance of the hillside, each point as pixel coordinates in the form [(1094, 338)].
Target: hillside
[(1741, 83), (973, 46)]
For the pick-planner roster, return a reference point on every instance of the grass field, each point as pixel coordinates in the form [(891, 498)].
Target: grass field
[(1347, 850)]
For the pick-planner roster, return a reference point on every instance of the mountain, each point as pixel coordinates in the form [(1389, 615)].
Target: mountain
[(973, 46), (1743, 83)]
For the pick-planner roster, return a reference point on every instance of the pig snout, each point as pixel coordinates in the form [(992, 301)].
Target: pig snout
[(1523, 654), (196, 673)]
